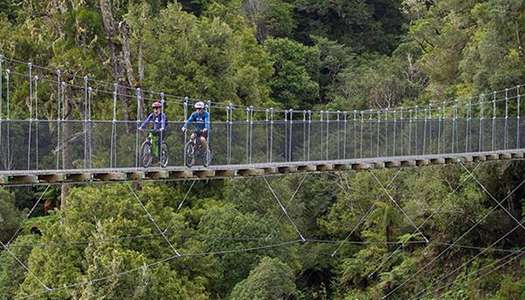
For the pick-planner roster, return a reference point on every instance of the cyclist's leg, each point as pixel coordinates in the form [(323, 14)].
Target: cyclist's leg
[(204, 140)]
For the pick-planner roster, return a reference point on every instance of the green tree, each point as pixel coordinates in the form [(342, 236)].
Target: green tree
[(271, 279), (294, 83)]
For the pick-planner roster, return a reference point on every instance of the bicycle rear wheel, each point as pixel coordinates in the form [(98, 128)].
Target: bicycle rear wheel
[(164, 155)]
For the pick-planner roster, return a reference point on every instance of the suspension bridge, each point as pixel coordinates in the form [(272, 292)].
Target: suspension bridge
[(62, 136), (59, 136)]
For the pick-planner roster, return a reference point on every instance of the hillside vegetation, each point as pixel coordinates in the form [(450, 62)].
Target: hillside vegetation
[(235, 241)]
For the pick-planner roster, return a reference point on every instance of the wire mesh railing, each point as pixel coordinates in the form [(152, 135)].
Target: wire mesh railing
[(37, 145), (53, 120)]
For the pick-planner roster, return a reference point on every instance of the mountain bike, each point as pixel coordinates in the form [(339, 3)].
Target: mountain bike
[(195, 150), (149, 150)]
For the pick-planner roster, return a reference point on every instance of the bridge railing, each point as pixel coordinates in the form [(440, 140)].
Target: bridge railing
[(48, 145)]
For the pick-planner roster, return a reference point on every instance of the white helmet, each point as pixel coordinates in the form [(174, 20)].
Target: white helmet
[(199, 104)]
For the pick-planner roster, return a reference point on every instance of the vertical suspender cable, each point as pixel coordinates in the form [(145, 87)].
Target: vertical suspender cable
[(62, 117), (112, 151), (338, 134), (386, 133), (85, 120), (354, 140), (454, 129), (327, 133), (228, 133), (321, 126), (416, 121), (378, 131), (395, 126), (58, 120), (209, 132), (440, 127), (231, 134), (271, 134), (518, 144), (291, 136), (505, 134), (370, 134), (345, 116), (247, 144), (469, 117), (90, 130), (309, 134), (37, 122), (185, 108), (1, 106), (480, 149), (401, 132), (425, 131), (138, 95), (304, 135), (267, 129), (30, 67), (361, 139), (8, 117), (161, 135), (493, 121), (410, 122)]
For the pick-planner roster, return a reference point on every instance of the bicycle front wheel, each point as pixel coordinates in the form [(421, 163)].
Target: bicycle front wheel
[(189, 154), (146, 154)]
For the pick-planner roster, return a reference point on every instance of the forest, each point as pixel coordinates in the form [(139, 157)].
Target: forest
[(343, 235)]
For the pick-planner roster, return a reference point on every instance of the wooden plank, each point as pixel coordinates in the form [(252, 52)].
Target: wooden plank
[(79, 177), (225, 173), (362, 166), (23, 179), (480, 158), (422, 162), (271, 170), (251, 172), (287, 169), (325, 167), (437, 161), (467, 159), (408, 163), (451, 160), (493, 156), (156, 175), (51, 178), (505, 156), (204, 173), (181, 174), (110, 176), (379, 165), (342, 167), (137, 175), (393, 164), (307, 168)]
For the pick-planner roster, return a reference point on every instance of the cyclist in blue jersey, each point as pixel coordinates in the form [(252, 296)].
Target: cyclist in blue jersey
[(201, 120), (159, 121)]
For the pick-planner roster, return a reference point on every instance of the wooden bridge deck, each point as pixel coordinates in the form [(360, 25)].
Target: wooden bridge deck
[(35, 177)]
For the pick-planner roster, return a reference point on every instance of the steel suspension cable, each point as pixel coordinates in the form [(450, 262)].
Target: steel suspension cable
[(455, 242)]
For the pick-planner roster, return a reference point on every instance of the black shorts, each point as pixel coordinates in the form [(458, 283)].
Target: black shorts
[(200, 133)]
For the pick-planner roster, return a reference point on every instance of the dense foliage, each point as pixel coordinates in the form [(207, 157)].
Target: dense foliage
[(235, 240)]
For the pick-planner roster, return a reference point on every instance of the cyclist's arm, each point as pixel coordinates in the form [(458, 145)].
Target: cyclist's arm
[(207, 121), (162, 122), (189, 121), (146, 121)]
